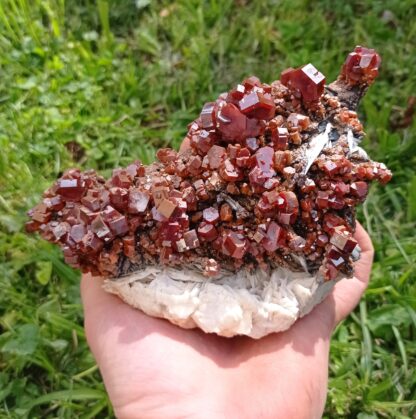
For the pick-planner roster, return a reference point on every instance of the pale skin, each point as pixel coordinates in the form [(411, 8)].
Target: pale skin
[(153, 369)]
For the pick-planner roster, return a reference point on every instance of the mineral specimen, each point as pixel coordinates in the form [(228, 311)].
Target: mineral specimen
[(269, 178)]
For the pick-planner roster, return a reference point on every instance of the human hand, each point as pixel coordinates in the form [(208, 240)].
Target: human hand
[(153, 369)]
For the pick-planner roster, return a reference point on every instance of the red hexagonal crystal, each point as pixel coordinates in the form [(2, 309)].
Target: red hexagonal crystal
[(119, 198), (359, 189), (264, 159), (121, 178), (77, 232), (280, 137), (207, 232), (210, 215), (135, 169), (216, 155), (203, 140), (299, 121), (191, 239), (252, 143), (274, 236), (194, 165), (232, 151), (129, 247), (341, 188), (54, 203), (236, 94), (40, 213), (330, 167), (190, 198), (257, 105), (322, 199), (306, 82), (254, 127), (288, 202), (212, 268), (235, 126), (231, 122), (288, 206), (297, 243), (263, 170), (87, 215), (166, 155), (322, 240), (92, 244), (229, 172), (256, 176), (115, 221), (251, 82), (234, 244), (61, 230), (138, 201), (342, 239), (100, 228), (226, 213), (265, 207), (166, 207), (91, 200), (201, 191), (361, 66), (71, 189), (70, 256), (335, 257), (336, 202), (169, 232), (207, 115)]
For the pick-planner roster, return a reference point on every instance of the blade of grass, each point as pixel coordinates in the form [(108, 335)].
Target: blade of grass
[(11, 32), (96, 409), (401, 346), (103, 13), (85, 373), (367, 349), (387, 224), (68, 395)]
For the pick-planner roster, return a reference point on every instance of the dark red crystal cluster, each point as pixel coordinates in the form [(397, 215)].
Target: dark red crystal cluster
[(361, 66), (241, 193)]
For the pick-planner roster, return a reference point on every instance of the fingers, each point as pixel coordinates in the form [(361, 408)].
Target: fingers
[(104, 315), (96, 301), (348, 292), (91, 293), (93, 299)]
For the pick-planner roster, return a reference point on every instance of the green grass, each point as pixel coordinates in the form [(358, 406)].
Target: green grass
[(116, 81)]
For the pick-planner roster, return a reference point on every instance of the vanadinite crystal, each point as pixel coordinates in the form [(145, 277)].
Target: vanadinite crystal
[(306, 82), (249, 191), (361, 66)]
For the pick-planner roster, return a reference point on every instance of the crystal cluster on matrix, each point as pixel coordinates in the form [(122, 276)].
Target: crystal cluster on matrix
[(361, 66), (238, 196)]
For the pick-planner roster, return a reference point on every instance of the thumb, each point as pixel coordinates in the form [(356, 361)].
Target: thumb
[(348, 292)]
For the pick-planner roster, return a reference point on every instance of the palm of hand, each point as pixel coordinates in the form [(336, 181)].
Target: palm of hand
[(153, 369)]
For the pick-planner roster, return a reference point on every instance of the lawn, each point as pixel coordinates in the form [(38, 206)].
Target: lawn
[(98, 84)]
